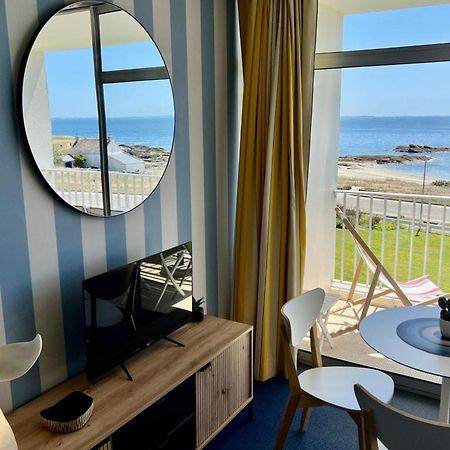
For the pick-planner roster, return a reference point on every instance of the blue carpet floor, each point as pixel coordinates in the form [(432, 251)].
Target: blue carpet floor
[(329, 428)]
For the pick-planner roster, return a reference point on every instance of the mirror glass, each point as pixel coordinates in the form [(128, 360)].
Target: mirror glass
[(97, 108)]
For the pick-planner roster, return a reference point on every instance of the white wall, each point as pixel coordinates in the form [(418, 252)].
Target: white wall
[(37, 110), (47, 248)]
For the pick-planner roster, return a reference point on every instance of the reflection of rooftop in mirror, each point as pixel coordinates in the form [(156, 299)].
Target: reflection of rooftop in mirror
[(73, 31)]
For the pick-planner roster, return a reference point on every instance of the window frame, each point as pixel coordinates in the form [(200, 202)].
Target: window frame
[(101, 78)]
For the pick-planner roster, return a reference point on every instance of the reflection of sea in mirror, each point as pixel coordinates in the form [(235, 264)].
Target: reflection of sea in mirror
[(139, 113)]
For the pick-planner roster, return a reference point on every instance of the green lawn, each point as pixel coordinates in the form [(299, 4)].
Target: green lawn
[(434, 243)]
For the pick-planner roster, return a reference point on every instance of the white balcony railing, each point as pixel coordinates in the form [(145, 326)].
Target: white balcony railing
[(83, 187), (409, 233)]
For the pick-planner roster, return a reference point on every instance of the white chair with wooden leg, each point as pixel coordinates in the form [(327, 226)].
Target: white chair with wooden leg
[(387, 427), (320, 385)]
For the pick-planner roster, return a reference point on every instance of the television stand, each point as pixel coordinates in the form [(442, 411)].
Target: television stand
[(127, 373), (179, 344), (180, 397)]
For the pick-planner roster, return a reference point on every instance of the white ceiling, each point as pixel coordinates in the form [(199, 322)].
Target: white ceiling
[(73, 31), (364, 6)]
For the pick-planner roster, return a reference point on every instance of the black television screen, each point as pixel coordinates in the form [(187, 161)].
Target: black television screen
[(128, 308)]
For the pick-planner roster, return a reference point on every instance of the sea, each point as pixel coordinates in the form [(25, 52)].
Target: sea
[(359, 135), (367, 135), (155, 131)]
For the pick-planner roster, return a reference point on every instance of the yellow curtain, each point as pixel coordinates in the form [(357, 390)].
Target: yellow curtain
[(278, 44)]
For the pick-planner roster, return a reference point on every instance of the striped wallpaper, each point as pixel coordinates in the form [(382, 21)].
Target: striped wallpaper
[(47, 249)]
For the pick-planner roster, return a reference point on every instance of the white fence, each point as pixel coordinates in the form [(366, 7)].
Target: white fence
[(83, 187), (409, 233)]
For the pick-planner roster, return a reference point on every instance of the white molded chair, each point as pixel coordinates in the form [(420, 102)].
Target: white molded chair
[(15, 360), (397, 430), (320, 385)]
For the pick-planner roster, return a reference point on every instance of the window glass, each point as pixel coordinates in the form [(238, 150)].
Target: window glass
[(140, 127), (125, 44), (375, 24), (390, 108)]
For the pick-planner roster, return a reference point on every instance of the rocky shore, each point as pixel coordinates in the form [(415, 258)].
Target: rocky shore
[(157, 156), (348, 161), (413, 148)]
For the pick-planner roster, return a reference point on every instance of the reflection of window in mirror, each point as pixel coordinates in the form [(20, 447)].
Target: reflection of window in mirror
[(59, 91), (139, 51), (138, 143), (98, 108)]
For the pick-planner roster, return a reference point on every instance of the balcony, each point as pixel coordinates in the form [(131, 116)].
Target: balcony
[(410, 234), (82, 188)]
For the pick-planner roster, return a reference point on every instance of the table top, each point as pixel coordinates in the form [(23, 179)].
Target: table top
[(379, 330)]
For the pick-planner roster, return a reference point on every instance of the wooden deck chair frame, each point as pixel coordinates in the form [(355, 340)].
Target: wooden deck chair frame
[(379, 269), (299, 398)]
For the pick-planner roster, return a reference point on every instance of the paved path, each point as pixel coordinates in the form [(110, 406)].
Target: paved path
[(436, 211)]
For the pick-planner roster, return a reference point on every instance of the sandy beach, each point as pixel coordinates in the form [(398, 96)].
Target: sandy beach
[(368, 176), (368, 171)]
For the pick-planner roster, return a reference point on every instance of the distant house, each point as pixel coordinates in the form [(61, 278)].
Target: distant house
[(118, 160)]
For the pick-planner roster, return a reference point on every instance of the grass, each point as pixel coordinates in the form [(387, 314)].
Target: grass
[(394, 185), (61, 146), (417, 265)]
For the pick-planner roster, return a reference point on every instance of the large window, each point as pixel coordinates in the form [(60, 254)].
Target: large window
[(381, 82), (390, 68)]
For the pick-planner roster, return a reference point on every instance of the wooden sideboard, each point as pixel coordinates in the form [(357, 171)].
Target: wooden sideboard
[(217, 354)]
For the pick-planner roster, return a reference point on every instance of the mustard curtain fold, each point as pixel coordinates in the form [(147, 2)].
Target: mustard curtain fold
[(278, 44)]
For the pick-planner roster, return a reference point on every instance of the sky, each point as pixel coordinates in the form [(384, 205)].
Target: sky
[(407, 90), (71, 84)]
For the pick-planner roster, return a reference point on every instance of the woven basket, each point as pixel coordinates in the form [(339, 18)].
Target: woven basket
[(69, 414)]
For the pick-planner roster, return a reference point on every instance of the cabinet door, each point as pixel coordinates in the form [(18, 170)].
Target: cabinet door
[(223, 387)]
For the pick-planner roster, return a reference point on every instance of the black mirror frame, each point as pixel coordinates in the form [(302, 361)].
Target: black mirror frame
[(20, 98)]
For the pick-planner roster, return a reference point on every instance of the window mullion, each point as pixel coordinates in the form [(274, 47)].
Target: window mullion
[(103, 139), (383, 56), (130, 75)]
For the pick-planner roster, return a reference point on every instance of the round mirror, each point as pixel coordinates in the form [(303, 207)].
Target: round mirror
[(97, 108)]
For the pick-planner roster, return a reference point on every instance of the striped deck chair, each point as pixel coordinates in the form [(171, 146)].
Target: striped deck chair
[(421, 291)]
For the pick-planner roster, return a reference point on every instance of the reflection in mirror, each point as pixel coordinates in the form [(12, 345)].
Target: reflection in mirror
[(139, 144), (134, 51), (98, 109)]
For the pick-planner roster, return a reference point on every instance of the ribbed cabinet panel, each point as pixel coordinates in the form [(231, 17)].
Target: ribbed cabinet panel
[(223, 387)]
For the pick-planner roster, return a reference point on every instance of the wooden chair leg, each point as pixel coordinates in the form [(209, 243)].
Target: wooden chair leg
[(361, 433), (359, 420), (315, 346), (286, 422), (306, 414), (355, 279), (373, 285)]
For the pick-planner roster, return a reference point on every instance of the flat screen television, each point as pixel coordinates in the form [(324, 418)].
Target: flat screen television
[(129, 308)]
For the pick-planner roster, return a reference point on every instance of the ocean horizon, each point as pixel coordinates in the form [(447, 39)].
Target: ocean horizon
[(359, 135), (155, 131), (377, 135)]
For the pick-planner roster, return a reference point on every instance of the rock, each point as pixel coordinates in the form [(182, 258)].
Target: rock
[(345, 161), (413, 148), (157, 156)]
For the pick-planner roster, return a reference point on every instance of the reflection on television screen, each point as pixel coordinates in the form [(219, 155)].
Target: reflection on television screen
[(130, 307)]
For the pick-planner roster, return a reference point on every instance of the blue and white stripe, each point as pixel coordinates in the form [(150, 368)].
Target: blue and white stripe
[(47, 249)]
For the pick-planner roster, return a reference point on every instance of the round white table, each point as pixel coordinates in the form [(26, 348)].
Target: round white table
[(379, 330)]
